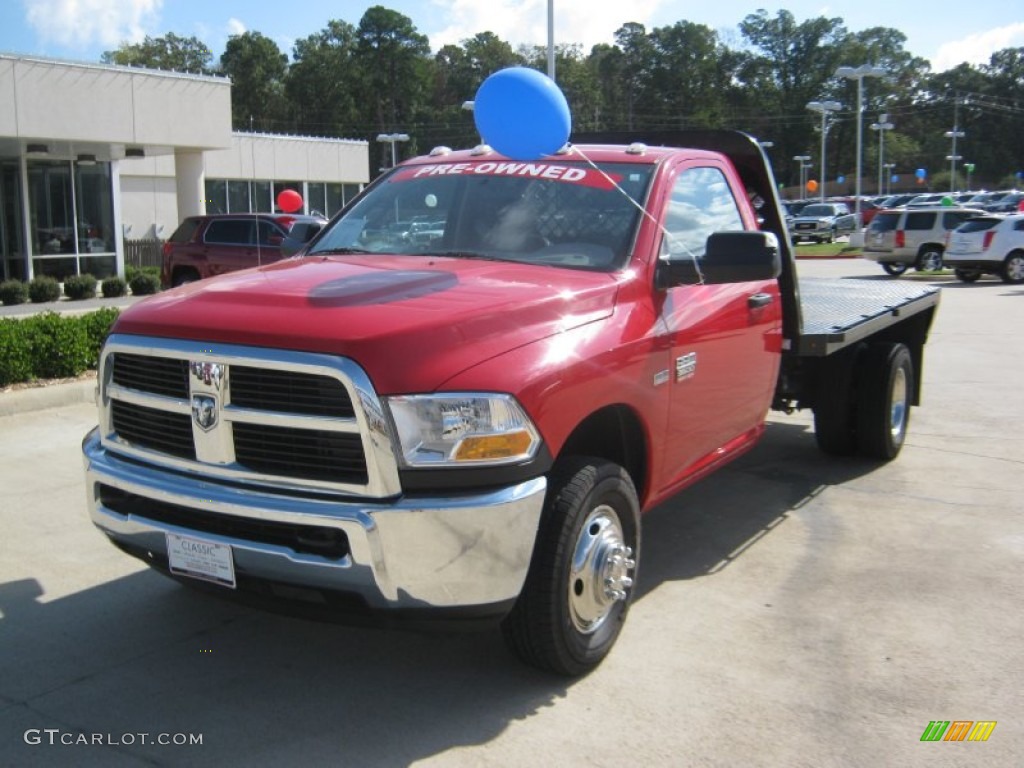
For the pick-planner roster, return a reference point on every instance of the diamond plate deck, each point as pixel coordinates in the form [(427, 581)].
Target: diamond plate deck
[(839, 312)]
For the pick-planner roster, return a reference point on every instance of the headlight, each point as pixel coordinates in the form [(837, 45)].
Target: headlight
[(462, 429)]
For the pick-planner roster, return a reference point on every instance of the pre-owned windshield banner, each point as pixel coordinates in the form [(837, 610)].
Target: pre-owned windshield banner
[(566, 174)]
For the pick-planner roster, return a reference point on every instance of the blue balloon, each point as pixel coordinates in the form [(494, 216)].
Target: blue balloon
[(894, 178), (840, 179), (920, 173), (522, 114)]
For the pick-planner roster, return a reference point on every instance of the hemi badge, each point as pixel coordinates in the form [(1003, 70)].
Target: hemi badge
[(661, 377)]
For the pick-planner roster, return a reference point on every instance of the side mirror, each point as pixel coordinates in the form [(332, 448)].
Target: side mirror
[(729, 257)]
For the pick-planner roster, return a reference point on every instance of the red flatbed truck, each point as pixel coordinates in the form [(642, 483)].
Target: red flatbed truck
[(457, 402)]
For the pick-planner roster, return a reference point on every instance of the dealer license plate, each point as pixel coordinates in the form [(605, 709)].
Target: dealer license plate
[(201, 559)]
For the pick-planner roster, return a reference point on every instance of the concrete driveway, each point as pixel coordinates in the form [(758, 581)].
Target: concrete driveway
[(793, 610)]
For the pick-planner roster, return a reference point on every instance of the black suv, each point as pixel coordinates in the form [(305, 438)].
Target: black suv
[(204, 246)]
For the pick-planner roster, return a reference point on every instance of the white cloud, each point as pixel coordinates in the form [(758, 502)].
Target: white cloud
[(81, 23), (978, 48), (236, 27), (526, 21)]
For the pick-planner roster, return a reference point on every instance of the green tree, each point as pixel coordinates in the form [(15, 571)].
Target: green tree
[(171, 52), (322, 83), (392, 57), (257, 69)]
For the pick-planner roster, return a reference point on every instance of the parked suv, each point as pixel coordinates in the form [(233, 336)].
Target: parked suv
[(912, 237), (988, 244), (822, 222), (204, 246)]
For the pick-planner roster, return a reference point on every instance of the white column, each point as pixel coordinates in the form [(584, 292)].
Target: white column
[(191, 183), (115, 194)]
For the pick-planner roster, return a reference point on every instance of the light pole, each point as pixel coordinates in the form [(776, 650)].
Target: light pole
[(802, 159), (392, 139), (881, 126), (888, 177), (953, 156), (858, 74), (824, 107)]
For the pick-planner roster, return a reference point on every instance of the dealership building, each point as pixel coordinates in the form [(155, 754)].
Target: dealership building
[(94, 157)]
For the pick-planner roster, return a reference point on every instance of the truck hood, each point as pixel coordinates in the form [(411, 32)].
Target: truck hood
[(411, 322)]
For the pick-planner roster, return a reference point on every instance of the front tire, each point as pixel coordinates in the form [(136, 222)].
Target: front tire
[(1013, 268), (894, 268), (967, 275), (885, 388), (580, 582)]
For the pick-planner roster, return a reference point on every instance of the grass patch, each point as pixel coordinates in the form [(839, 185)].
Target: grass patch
[(825, 251)]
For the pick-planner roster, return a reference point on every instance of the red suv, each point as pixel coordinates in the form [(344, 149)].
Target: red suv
[(204, 246)]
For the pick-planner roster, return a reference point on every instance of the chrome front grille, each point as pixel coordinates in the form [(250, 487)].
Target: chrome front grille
[(244, 414)]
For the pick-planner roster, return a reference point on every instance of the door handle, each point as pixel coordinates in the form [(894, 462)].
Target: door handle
[(758, 300)]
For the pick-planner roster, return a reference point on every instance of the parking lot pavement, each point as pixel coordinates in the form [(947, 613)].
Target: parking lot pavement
[(793, 610)]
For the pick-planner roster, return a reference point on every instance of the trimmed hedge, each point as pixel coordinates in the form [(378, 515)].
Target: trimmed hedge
[(13, 292), (113, 287), (78, 287), (43, 288), (52, 346), (144, 284)]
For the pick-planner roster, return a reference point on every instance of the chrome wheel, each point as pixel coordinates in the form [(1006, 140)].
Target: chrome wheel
[(1013, 268), (898, 405), (930, 261), (600, 572)]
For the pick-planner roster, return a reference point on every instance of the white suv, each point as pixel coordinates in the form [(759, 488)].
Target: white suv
[(901, 238), (990, 243)]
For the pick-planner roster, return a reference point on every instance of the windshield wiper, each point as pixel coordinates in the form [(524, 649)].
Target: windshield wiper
[(337, 251), (463, 255)]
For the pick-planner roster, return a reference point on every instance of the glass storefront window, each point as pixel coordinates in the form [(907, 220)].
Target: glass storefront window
[(216, 196), (261, 193), (351, 190), (51, 207), (335, 198), (12, 236), (95, 210), (317, 202), (238, 197)]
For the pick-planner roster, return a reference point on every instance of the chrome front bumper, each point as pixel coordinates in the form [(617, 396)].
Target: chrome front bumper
[(410, 553)]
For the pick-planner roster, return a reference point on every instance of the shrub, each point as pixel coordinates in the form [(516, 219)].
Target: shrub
[(15, 354), (43, 288), (13, 292), (79, 287), (97, 327), (131, 272), (58, 344), (144, 284), (114, 286)]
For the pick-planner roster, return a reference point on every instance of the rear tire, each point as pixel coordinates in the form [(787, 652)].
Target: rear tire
[(929, 259), (894, 268), (885, 386), (182, 276), (580, 582), (1013, 268)]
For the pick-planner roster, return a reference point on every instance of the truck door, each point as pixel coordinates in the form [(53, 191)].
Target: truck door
[(724, 340)]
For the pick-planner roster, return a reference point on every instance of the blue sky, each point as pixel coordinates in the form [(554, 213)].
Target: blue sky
[(945, 32)]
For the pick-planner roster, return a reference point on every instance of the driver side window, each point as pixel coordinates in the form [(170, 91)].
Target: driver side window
[(701, 203)]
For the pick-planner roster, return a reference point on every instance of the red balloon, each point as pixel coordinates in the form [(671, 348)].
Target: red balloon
[(289, 201)]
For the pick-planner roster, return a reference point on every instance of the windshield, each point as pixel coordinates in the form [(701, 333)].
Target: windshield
[(564, 214), (818, 210)]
